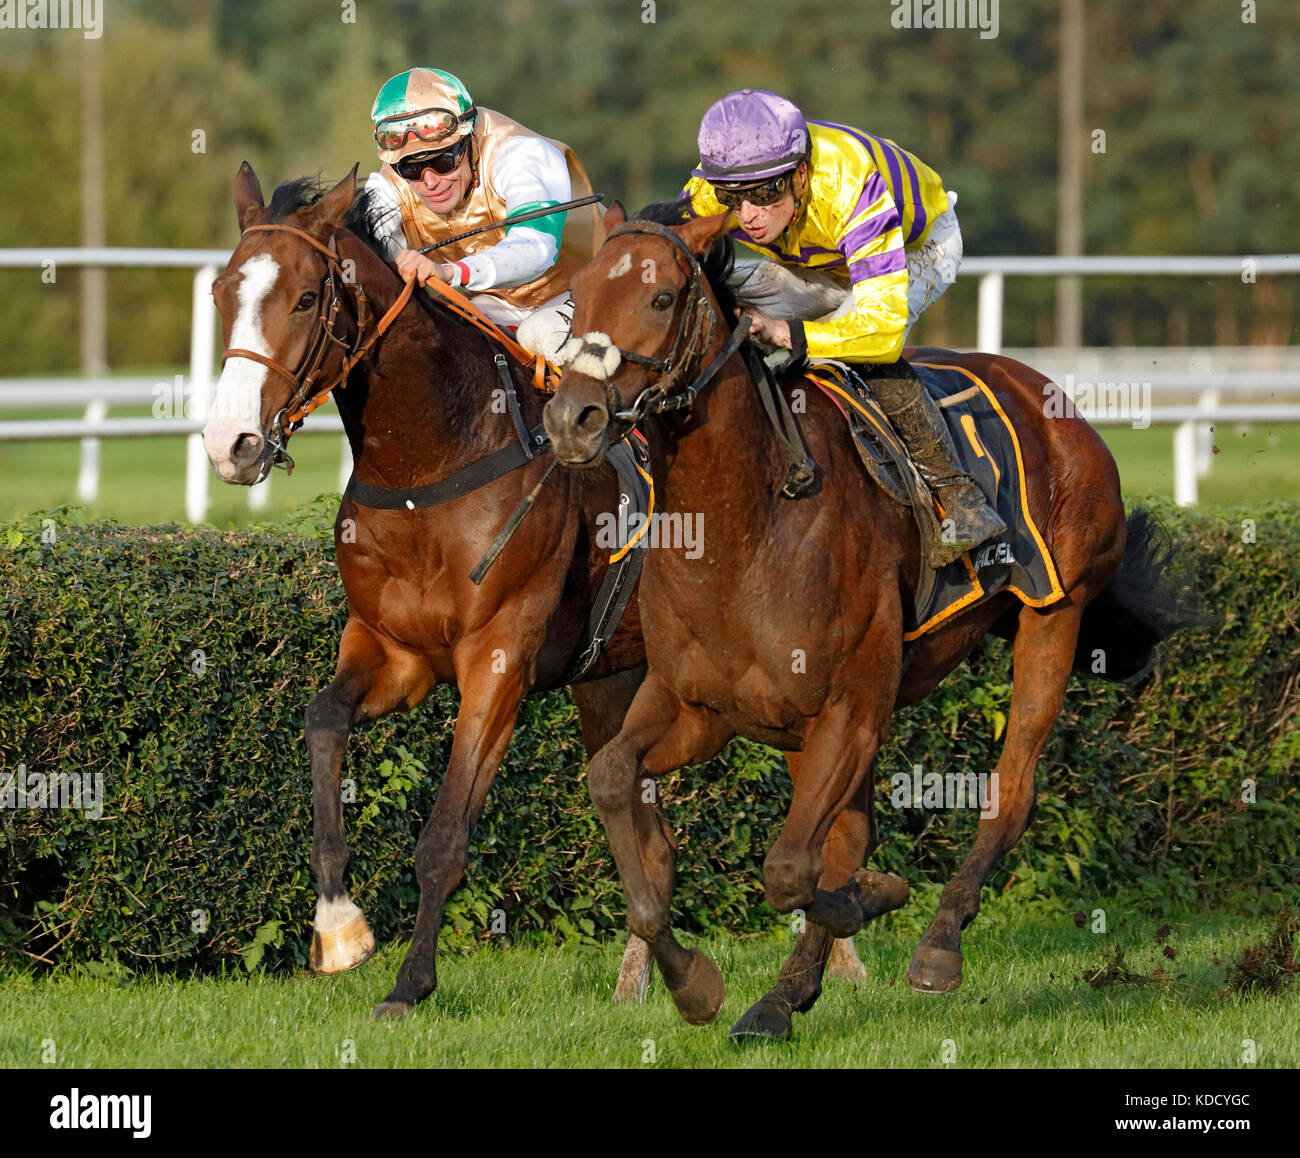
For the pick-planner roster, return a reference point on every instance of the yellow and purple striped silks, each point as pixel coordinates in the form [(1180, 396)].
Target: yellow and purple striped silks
[(868, 203)]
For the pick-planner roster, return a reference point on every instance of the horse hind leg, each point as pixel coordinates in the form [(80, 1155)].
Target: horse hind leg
[(366, 685), (602, 708), (659, 734), (1043, 654), (876, 892)]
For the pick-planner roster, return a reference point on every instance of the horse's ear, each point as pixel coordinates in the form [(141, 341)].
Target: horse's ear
[(701, 232), (328, 211), (615, 216), (249, 206)]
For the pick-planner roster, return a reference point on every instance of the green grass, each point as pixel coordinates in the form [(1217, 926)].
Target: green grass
[(1022, 1004), (1252, 464), (143, 480)]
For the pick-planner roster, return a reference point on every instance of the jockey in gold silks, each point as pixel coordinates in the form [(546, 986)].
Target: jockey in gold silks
[(449, 167)]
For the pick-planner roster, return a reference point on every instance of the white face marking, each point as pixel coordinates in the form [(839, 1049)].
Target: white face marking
[(620, 267), (237, 399)]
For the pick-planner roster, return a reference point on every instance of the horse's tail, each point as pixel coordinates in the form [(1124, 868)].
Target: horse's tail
[(1137, 609)]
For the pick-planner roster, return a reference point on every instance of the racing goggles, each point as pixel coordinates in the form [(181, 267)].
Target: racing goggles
[(767, 192), (412, 168), (429, 125)]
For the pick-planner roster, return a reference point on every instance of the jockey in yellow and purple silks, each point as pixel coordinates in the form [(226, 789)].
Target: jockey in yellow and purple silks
[(449, 167), (845, 239)]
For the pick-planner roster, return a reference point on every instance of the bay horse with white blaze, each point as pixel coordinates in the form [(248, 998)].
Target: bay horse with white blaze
[(825, 577), (415, 389)]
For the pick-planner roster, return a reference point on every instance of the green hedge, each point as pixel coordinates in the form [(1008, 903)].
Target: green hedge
[(207, 786)]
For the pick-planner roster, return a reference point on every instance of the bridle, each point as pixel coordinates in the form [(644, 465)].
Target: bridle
[(303, 377), (694, 334)]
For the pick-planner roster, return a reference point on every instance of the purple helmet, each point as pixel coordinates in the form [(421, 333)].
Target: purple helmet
[(749, 135)]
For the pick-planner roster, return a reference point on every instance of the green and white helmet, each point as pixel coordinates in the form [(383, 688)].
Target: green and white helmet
[(420, 110)]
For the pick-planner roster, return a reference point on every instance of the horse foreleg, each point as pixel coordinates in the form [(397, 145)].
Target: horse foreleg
[(659, 734), (602, 708), (488, 706), (1042, 656), (340, 939), (368, 683), (833, 784)]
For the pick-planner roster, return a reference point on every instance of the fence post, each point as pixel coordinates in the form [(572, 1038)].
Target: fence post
[(1185, 464), (989, 326), (202, 335), (88, 475), (345, 464), (1205, 433), (259, 495)]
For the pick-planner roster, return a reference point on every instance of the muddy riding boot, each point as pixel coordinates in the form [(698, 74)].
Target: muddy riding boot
[(968, 519)]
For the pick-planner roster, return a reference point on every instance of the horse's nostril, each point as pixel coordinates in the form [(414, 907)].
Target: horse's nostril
[(247, 447), (591, 420)]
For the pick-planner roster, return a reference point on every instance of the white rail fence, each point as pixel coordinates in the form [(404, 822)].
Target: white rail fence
[(1191, 444)]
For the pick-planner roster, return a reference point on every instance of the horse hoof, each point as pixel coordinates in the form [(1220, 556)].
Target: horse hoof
[(344, 948), (845, 963), (766, 1020), (934, 970), (699, 997), (390, 1009), (878, 893), (634, 974)]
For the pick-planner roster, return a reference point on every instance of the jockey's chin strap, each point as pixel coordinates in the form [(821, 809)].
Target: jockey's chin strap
[(303, 377)]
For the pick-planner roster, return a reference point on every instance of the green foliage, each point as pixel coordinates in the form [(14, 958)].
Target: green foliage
[(177, 662), (272, 934)]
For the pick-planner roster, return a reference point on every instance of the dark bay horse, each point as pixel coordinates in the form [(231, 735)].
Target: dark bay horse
[(788, 628), (419, 406)]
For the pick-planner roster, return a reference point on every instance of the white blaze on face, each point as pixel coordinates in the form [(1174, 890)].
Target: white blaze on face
[(620, 267), (237, 401)]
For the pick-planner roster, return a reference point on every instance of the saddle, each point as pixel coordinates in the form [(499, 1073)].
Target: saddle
[(989, 451)]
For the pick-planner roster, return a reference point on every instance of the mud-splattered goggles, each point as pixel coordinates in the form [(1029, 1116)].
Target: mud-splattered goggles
[(412, 168), (430, 125), (764, 193)]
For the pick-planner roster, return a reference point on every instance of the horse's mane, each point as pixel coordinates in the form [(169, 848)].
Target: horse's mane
[(365, 216), (716, 264)]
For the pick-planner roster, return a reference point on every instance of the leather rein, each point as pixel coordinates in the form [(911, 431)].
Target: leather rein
[(309, 367)]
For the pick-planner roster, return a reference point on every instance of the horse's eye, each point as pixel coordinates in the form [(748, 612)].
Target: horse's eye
[(305, 302), (662, 300)]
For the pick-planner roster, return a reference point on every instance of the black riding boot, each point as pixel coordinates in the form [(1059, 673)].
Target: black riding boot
[(968, 519)]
